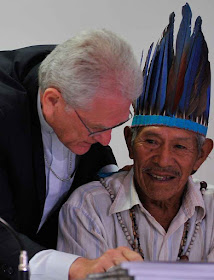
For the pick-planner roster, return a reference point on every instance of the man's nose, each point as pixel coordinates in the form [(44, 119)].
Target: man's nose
[(164, 156), (103, 138)]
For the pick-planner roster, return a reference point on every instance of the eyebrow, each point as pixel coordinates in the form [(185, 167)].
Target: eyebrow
[(159, 135)]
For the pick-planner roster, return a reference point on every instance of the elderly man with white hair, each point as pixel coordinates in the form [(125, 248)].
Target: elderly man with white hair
[(58, 106)]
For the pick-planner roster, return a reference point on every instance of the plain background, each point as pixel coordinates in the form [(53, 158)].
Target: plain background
[(140, 22)]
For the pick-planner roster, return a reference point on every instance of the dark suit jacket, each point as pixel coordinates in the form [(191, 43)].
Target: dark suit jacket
[(22, 169)]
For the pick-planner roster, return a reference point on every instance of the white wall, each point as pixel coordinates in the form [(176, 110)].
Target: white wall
[(29, 22)]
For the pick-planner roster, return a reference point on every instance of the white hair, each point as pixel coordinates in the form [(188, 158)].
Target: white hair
[(88, 62)]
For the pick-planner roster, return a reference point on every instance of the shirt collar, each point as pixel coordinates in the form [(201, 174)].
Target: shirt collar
[(127, 197), (193, 199), (44, 125)]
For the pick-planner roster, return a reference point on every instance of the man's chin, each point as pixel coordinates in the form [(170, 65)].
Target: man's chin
[(80, 150)]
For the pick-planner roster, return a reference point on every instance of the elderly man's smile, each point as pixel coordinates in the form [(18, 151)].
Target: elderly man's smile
[(161, 175), (161, 178)]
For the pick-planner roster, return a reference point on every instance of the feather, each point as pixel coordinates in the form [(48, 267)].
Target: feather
[(196, 30), (155, 78), (206, 113), (149, 77), (136, 104), (176, 74), (141, 60), (148, 83), (162, 63), (161, 94), (193, 67), (202, 92), (197, 104), (170, 42), (145, 74), (197, 91)]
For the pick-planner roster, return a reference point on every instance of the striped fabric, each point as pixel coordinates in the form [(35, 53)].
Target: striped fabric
[(89, 226)]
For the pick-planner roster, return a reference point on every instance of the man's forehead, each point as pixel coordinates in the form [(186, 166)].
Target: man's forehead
[(163, 131)]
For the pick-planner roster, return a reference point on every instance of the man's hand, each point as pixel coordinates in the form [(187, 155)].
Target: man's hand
[(82, 266)]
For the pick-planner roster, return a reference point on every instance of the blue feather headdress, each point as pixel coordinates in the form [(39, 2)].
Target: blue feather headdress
[(176, 89)]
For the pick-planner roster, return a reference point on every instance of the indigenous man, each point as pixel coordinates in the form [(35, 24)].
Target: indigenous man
[(156, 208)]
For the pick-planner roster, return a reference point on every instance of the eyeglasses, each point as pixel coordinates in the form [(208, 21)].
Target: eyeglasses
[(92, 133)]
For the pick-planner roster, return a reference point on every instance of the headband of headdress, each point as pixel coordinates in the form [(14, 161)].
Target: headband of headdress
[(176, 89)]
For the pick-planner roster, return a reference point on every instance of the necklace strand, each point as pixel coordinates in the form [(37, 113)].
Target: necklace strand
[(135, 244), (57, 176)]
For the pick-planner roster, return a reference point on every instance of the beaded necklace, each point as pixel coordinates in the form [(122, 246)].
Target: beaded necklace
[(135, 242)]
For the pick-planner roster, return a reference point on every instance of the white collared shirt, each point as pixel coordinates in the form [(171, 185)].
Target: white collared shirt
[(62, 162), (88, 223), (51, 264)]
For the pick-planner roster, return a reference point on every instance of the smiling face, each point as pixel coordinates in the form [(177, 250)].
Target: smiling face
[(164, 158), (100, 114)]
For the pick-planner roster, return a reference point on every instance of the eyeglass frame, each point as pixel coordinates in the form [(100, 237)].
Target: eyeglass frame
[(91, 133)]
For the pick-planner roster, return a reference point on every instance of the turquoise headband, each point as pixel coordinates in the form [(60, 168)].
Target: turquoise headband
[(153, 120)]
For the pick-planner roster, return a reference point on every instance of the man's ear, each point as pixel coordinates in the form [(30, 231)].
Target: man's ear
[(51, 99), (205, 151), (128, 138)]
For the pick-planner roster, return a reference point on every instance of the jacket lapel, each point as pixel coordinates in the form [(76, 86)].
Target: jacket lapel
[(31, 85)]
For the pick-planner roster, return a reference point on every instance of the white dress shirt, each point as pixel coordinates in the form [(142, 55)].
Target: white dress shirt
[(62, 162), (52, 264), (88, 223)]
